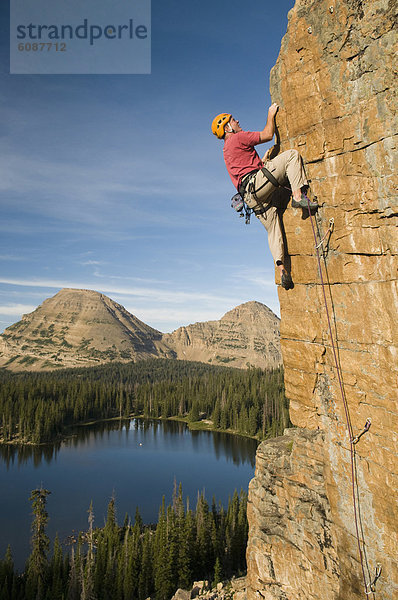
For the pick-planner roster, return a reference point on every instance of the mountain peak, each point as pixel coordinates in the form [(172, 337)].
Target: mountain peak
[(246, 335), (79, 327), (250, 309)]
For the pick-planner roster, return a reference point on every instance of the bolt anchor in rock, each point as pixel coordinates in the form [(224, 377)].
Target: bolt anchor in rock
[(356, 439), (371, 585), (328, 233)]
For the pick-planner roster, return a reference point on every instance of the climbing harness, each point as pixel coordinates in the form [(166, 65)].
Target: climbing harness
[(356, 439), (271, 179), (369, 586), (238, 200)]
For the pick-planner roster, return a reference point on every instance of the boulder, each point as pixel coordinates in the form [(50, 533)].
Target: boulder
[(181, 595)]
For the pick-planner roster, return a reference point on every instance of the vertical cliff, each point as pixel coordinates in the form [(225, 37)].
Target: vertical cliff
[(336, 85)]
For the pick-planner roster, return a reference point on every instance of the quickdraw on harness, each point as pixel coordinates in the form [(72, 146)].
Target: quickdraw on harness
[(238, 200)]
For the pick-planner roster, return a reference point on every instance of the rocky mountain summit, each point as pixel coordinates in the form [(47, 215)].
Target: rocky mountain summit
[(85, 328), (78, 328), (240, 338), (322, 509)]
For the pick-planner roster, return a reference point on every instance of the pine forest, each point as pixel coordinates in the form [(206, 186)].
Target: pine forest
[(39, 407), (135, 561)]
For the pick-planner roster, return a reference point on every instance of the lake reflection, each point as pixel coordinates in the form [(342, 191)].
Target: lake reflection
[(236, 448), (137, 460)]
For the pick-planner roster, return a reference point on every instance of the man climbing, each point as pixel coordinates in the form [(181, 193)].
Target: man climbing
[(256, 184)]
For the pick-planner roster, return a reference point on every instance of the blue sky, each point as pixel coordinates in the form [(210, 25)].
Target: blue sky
[(115, 182)]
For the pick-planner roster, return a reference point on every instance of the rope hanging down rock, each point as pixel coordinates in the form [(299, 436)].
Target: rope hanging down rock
[(369, 583)]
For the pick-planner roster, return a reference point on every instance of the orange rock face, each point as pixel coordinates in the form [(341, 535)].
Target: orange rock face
[(334, 82)]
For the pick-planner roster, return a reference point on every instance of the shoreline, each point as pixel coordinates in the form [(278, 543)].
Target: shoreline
[(205, 425)]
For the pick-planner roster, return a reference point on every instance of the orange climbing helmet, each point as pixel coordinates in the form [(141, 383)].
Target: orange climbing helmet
[(218, 124)]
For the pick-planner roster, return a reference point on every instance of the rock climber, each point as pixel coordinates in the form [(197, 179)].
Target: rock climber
[(245, 169)]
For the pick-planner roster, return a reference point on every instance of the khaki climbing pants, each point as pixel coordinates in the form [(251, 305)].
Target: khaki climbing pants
[(287, 168)]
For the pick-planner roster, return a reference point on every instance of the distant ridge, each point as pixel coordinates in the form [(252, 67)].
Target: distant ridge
[(246, 335), (86, 328)]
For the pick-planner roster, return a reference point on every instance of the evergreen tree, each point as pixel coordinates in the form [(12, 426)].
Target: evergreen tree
[(216, 416), (194, 412), (126, 581), (7, 576), (161, 565), (146, 579), (73, 588), (37, 570), (56, 572), (87, 571), (217, 572), (203, 537)]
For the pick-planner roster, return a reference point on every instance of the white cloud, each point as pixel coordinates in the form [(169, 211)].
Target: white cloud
[(93, 262), (171, 319), (163, 309), (98, 182), (16, 309), (147, 281), (12, 257), (158, 295), (258, 280)]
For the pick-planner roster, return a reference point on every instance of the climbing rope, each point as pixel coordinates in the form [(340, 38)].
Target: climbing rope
[(369, 583)]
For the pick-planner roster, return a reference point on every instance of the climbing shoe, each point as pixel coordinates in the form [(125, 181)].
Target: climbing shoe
[(286, 281), (304, 202)]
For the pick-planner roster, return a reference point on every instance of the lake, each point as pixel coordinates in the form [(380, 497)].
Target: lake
[(135, 460)]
